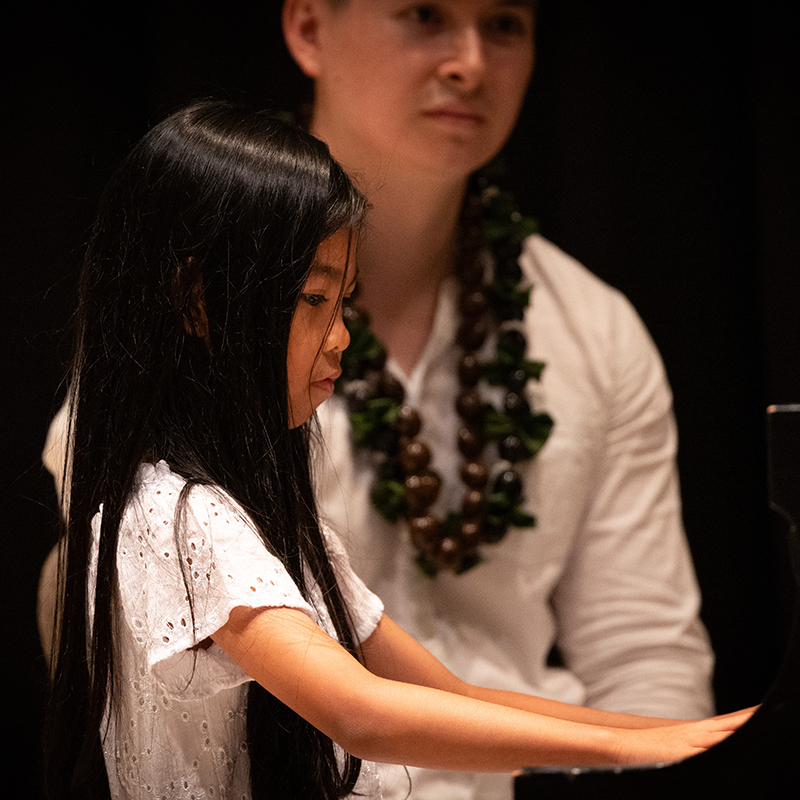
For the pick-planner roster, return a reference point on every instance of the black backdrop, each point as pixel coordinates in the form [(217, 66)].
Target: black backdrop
[(658, 145)]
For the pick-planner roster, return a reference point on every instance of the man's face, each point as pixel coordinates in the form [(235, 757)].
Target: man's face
[(435, 86)]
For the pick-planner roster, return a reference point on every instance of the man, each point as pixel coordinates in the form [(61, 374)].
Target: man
[(413, 99)]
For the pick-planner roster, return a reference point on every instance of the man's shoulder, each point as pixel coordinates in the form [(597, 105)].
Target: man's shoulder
[(562, 285), (544, 261), (577, 318)]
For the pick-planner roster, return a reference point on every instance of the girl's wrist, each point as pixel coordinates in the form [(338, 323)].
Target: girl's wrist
[(598, 745), (613, 745)]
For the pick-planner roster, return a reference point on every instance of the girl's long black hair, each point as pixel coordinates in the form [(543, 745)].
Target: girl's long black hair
[(217, 210)]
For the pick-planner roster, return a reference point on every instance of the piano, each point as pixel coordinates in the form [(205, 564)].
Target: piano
[(762, 758)]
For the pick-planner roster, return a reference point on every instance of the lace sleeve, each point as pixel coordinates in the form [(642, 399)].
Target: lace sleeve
[(175, 597)]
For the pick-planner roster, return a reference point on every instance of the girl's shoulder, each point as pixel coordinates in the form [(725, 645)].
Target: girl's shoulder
[(158, 483), (161, 487), (161, 504), (200, 534)]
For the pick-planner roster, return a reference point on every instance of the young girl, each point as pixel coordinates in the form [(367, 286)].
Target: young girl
[(213, 641)]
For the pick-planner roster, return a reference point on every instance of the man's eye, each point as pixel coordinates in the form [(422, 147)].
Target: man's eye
[(508, 25), (424, 14), (314, 299)]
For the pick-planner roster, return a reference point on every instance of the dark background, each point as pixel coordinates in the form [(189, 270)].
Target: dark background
[(658, 146)]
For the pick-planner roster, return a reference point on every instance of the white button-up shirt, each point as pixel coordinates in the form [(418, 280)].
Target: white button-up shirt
[(605, 574)]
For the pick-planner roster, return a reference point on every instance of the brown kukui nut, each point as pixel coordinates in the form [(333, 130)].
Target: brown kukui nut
[(449, 553), (474, 474), (469, 405), (408, 421), (414, 456), (422, 490), (425, 532), (470, 535), (470, 441), (469, 370), (473, 503)]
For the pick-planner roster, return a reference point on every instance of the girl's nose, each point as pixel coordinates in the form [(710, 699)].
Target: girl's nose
[(339, 336), (465, 64)]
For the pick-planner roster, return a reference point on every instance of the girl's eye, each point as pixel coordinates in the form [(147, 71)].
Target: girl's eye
[(313, 299)]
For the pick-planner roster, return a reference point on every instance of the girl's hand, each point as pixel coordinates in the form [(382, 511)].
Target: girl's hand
[(675, 742)]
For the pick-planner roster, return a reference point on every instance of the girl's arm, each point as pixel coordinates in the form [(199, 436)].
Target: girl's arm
[(413, 711), (391, 653)]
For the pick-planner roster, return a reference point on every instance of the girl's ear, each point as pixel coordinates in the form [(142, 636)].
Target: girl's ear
[(301, 26), (195, 322), (189, 299)]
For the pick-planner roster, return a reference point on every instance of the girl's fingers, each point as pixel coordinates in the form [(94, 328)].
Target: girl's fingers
[(748, 712)]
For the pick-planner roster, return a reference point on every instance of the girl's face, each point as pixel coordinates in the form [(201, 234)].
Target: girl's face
[(318, 335), (434, 86)]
